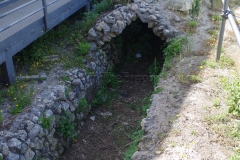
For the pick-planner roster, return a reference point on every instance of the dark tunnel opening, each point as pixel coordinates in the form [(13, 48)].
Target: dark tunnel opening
[(139, 52)]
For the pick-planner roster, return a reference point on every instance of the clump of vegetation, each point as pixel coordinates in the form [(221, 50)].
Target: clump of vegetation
[(106, 91), (138, 132), (135, 137), (154, 71), (234, 99), (192, 25), (174, 47), (19, 94), (196, 7), (65, 127), (83, 48), (82, 104), (46, 122)]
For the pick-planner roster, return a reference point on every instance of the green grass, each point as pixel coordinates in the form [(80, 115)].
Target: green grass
[(158, 90), (82, 104), (46, 122), (65, 36), (136, 137), (65, 126), (137, 133), (19, 94)]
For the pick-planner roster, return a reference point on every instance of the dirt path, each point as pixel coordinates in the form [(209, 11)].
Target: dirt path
[(107, 131)]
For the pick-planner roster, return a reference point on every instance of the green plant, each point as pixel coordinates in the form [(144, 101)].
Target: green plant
[(65, 78), (104, 6), (234, 99), (192, 24), (157, 90), (46, 122), (225, 61), (154, 71), (174, 47), (110, 80), (1, 158), (196, 7), (65, 126), (19, 97), (135, 137), (82, 104), (194, 78), (83, 48), (216, 103), (216, 17)]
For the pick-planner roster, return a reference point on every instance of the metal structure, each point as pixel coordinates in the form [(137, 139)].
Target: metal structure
[(227, 14), (23, 21)]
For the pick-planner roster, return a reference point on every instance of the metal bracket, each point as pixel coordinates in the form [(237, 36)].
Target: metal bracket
[(226, 13)]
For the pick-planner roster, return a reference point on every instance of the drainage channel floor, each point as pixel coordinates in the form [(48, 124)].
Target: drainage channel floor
[(107, 137)]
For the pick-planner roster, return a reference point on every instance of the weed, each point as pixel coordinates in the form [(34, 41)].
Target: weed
[(135, 137), (82, 48), (146, 103), (234, 99), (46, 122), (236, 156), (225, 61), (192, 25), (154, 71), (104, 6), (194, 132), (183, 78), (174, 47), (66, 127), (82, 104), (158, 90), (110, 80), (175, 95), (196, 7), (19, 98), (216, 18), (216, 103), (211, 64), (66, 93), (131, 105), (194, 78), (172, 144), (65, 78)]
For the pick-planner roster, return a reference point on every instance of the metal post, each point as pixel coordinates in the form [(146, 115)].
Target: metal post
[(9, 71), (45, 14), (234, 28), (220, 38)]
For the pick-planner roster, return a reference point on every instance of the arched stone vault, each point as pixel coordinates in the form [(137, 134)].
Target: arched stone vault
[(115, 22)]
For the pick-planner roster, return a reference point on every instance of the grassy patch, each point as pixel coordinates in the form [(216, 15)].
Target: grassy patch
[(106, 91), (46, 122), (65, 127), (137, 133), (19, 94), (82, 104)]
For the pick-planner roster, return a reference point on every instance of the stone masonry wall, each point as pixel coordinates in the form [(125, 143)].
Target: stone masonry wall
[(25, 138)]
